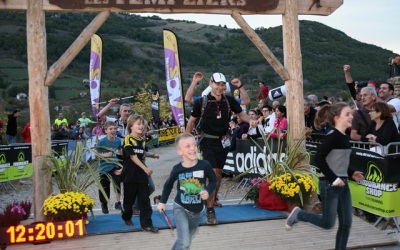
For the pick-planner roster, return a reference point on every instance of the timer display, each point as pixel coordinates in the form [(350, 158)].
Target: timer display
[(42, 231)]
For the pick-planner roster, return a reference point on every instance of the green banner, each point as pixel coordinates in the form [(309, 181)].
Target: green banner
[(382, 199), (16, 160), (378, 193), (153, 142)]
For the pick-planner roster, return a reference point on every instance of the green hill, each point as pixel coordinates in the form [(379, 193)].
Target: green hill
[(133, 56)]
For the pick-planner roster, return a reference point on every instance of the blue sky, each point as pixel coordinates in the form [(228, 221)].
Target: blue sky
[(368, 21)]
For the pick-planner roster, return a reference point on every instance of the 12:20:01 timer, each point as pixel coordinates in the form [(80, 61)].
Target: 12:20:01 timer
[(42, 231)]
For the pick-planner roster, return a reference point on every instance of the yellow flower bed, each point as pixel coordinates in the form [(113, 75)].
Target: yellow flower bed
[(288, 188), (67, 206)]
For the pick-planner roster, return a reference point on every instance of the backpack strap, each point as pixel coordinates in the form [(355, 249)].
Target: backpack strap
[(203, 108), (228, 105)]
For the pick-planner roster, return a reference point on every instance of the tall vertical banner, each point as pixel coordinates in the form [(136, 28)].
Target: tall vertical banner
[(173, 77), (95, 72), (155, 103)]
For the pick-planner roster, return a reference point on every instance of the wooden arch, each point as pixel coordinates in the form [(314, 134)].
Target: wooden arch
[(40, 77)]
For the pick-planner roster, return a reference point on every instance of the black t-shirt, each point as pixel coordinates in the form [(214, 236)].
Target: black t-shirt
[(132, 172), (309, 119), (190, 181), (12, 125), (214, 122)]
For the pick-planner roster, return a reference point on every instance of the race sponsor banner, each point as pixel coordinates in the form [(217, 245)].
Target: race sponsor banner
[(173, 77), (95, 72), (16, 160), (378, 193), (249, 156), (167, 134)]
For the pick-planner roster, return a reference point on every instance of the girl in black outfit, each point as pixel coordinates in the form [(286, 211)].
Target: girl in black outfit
[(333, 159)]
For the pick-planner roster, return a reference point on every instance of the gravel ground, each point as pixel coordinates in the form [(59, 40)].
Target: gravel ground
[(229, 191)]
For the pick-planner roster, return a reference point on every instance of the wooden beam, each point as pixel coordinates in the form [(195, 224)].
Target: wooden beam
[(38, 105), (261, 46), (245, 7), (59, 66), (293, 64)]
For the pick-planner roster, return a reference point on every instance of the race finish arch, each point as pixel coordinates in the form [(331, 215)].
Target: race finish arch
[(40, 77)]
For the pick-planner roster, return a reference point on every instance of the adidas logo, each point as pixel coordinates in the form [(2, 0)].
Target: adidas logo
[(277, 94)]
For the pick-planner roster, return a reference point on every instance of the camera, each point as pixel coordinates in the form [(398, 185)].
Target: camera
[(362, 84)]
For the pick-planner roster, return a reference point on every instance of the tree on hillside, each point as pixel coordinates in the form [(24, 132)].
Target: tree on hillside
[(142, 103)]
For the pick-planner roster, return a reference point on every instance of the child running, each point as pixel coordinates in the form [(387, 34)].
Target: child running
[(106, 168), (134, 175), (192, 175), (332, 158)]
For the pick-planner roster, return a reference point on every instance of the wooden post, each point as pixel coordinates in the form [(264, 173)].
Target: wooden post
[(292, 61), (261, 46), (59, 66), (39, 105)]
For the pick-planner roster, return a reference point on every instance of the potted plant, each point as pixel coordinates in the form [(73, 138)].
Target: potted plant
[(288, 159), (67, 206), (253, 193), (294, 188), (73, 176), (12, 215)]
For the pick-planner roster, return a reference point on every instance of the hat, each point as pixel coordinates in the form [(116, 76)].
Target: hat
[(322, 103), (16, 111), (83, 113), (373, 83), (218, 77)]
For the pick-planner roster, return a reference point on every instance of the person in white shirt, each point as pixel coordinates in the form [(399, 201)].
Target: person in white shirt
[(386, 91), (124, 113)]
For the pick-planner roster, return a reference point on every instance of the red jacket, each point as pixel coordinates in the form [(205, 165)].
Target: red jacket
[(26, 133), (263, 93)]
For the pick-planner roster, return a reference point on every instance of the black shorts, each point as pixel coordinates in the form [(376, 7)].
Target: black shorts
[(213, 152)]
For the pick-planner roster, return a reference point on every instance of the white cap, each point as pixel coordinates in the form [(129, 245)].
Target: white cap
[(218, 77)]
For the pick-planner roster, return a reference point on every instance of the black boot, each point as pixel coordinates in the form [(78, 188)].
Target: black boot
[(104, 208)]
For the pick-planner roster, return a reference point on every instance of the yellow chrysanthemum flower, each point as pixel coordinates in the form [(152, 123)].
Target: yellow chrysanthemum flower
[(66, 206), (289, 187)]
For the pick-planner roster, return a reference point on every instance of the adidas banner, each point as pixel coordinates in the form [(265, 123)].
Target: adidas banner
[(277, 92)]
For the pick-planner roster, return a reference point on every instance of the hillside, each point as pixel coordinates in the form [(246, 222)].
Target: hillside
[(133, 55)]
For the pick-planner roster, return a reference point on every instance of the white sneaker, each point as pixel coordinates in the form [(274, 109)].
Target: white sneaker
[(292, 218)]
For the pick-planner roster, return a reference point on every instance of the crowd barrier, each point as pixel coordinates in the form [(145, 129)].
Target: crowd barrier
[(16, 159), (378, 193)]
